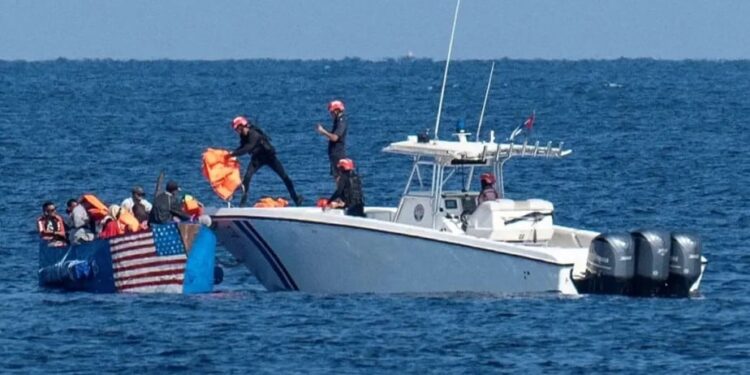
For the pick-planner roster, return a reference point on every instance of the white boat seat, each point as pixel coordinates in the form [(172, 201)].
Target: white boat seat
[(512, 221)]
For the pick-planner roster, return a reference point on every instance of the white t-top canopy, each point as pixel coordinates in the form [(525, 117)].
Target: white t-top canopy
[(466, 152)]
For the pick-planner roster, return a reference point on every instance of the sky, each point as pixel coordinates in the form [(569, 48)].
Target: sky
[(373, 29)]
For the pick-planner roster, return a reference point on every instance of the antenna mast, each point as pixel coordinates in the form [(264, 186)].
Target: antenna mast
[(481, 119), (445, 74), (484, 105)]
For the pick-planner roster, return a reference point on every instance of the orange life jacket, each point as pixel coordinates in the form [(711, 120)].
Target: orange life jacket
[(97, 210), (268, 202), (222, 172), (58, 227), (128, 222), (191, 206)]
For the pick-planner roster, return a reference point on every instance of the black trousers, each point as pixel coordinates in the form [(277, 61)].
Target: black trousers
[(358, 210), (334, 159), (257, 162)]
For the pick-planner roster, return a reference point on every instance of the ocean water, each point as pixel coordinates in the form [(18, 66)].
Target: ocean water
[(656, 144)]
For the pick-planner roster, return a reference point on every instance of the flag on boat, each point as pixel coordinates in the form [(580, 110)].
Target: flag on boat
[(151, 262), (525, 128)]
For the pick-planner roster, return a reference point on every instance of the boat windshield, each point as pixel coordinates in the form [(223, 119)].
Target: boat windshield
[(454, 178)]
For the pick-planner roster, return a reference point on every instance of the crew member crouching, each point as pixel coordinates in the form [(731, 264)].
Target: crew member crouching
[(348, 194)]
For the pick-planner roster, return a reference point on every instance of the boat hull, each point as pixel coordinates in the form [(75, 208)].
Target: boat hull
[(291, 252)]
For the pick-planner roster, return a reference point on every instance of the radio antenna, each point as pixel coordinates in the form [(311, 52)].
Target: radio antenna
[(445, 74)]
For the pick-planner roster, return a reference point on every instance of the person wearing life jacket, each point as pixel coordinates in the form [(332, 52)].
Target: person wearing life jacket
[(348, 194), (166, 207), (110, 226), (82, 228), (137, 204), (51, 226), (488, 193), (336, 136), (254, 142)]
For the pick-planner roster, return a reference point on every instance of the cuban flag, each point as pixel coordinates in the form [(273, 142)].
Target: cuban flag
[(149, 262), (525, 128)]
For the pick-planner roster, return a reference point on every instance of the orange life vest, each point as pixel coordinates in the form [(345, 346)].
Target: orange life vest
[(191, 206), (128, 222), (43, 223), (222, 172), (268, 202), (97, 210)]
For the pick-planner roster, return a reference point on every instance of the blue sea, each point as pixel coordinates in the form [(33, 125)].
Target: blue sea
[(655, 144)]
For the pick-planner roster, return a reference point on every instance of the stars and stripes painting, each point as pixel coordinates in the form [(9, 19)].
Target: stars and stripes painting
[(149, 262)]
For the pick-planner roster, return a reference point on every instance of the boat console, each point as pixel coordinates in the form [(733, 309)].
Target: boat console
[(456, 204), (528, 221)]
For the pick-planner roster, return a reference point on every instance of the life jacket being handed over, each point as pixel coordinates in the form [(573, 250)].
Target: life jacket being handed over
[(222, 172), (191, 206), (97, 210), (268, 202)]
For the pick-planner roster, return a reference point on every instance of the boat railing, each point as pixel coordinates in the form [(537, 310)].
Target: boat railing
[(508, 150)]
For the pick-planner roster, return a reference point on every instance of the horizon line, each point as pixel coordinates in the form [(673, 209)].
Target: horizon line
[(384, 59)]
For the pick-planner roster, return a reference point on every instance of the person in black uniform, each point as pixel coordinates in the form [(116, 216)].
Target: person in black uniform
[(255, 143), (337, 136), (166, 207), (348, 194)]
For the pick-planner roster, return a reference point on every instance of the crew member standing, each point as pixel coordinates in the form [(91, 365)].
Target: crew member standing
[(337, 136), (257, 144), (348, 194)]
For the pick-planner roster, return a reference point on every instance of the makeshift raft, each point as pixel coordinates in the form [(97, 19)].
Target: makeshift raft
[(169, 258)]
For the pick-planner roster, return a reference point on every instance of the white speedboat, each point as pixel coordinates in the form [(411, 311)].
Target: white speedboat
[(440, 240)]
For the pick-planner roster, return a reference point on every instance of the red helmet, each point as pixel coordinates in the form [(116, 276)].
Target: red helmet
[(239, 121), (487, 178), (345, 164), (336, 105)]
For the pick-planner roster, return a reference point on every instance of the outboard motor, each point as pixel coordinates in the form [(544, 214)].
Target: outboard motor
[(684, 264), (610, 264), (652, 261)]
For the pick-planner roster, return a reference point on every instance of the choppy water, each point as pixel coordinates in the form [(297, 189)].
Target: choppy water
[(655, 144)]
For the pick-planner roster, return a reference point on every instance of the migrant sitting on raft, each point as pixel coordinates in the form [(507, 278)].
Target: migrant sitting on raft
[(128, 256)]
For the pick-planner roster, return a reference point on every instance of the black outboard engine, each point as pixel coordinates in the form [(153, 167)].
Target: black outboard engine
[(610, 264), (651, 261), (684, 264)]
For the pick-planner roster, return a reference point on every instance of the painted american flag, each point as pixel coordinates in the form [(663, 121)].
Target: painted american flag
[(149, 262)]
